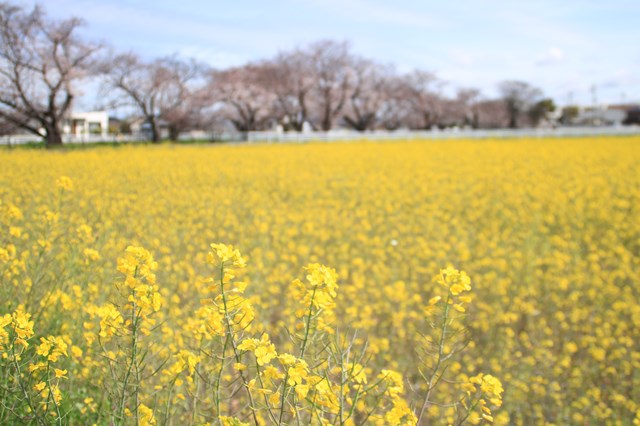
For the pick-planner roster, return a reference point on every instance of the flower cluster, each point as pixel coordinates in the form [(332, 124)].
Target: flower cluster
[(64, 183), (263, 349), (484, 392), (138, 265), (456, 283)]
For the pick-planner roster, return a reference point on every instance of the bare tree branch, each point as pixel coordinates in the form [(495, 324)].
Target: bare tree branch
[(40, 60), (162, 90), (518, 97), (248, 101)]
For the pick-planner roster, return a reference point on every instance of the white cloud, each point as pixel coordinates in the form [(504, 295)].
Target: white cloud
[(553, 55), (462, 57)]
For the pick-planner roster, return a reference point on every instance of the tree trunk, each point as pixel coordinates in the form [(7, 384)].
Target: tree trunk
[(358, 123), (174, 133), (53, 137), (297, 123), (303, 112), (155, 135), (427, 120), (327, 121)]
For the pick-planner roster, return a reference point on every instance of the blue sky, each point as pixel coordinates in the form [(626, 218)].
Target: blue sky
[(564, 47)]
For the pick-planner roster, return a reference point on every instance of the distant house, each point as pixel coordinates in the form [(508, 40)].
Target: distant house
[(600, 116), (86, 123), (141, 127)]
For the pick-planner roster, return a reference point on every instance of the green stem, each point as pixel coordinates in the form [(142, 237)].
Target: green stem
[(24, 390), (473, 407), (343, 378), (308, 325), (302, 351), (125, 382), (436, 368), (283, 396), (236, 354), (51, 395), (195, 398), (217, 396), (266, 400), (166, 407)]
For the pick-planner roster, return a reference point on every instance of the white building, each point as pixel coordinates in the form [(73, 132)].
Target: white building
[(87, 123), (600, 116)]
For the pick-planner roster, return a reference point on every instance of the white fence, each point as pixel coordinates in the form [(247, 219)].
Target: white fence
[(345, 135), (443, 134), (72, 139)]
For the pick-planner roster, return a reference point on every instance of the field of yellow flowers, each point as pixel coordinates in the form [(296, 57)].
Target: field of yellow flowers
[(322, 284)]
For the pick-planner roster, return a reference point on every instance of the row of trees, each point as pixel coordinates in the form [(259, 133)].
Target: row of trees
[(319, 86), (42, 62)]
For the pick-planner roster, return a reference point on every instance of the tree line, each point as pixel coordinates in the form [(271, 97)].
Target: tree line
[(319, 86)]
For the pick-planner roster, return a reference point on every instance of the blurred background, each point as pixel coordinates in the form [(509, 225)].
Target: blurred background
[(352, 65)]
